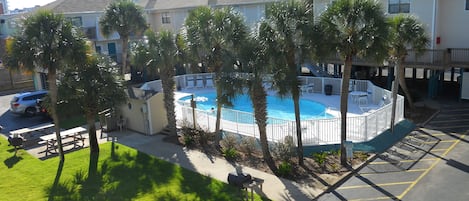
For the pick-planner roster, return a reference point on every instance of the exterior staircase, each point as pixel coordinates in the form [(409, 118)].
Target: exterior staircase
[(316, 70)]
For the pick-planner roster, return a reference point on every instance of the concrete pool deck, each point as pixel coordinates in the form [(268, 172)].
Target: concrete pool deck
[(361, 126)]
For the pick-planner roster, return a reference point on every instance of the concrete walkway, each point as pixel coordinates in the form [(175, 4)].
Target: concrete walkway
[(274, 188)]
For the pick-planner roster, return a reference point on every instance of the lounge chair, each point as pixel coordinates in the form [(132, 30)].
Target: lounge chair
[(381, 103), (309, 88)]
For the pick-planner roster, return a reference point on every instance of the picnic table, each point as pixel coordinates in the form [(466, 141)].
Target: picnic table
[(24, 132), (75, 134)]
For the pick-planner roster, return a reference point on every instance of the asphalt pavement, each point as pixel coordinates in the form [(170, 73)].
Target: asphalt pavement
[(430, 163), (10, 121)]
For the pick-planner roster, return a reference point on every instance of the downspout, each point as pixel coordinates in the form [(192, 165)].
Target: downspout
[(434, 21)]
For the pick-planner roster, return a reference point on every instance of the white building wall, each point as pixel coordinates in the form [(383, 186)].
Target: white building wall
[(252, 13), (177, 18), (453, 27)]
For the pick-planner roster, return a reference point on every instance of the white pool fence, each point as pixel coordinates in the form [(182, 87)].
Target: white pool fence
[(314, 132)]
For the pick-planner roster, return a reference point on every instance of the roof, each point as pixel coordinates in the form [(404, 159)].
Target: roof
[(171, 4), (80, 6), (77, 6), (241, 2)]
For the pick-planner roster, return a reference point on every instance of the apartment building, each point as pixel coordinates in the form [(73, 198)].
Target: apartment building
[(445, 21)]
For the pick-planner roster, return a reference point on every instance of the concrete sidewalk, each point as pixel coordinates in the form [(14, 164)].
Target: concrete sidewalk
[(274, 188)]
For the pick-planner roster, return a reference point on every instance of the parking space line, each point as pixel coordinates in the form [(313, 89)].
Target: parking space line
[(402, 161), (374, 185), (374, 173), (434, 134), (431, 167), (365, 199), (437, 134), (440, 141), (438, 150)]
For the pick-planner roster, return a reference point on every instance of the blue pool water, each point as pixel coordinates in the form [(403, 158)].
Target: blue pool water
[(276, 107)]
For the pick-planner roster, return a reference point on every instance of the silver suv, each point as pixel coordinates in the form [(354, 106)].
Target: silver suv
[(25, 103)]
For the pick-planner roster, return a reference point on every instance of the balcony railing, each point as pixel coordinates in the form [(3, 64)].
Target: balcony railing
[(427, 57), (430, 57), (459, 55)]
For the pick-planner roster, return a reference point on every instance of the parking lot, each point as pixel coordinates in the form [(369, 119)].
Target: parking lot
[(10, 121), (417, 167)]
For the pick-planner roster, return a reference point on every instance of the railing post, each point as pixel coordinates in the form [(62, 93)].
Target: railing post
[(365, 132)]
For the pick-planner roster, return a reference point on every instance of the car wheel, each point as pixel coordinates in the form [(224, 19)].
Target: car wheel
[(30, 111)]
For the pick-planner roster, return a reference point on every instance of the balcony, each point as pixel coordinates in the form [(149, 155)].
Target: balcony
[(430, 58), (90, 32), (459, 56)]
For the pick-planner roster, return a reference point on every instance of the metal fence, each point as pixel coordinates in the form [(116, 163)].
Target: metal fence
[(314, 132)]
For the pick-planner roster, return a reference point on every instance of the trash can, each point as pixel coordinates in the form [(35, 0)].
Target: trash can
[(328, 89)]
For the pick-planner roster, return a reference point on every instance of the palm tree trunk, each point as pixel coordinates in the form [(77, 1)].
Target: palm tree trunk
[(395, 88), (51, 75), (296, 103), (168, 89), (403, 84), (90, 119), (259, 100), (12, 83), (218, 120), (344, 108), (125, 42)]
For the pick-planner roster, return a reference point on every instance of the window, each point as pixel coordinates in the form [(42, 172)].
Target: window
[(399, 6), (165, 18), (467, 4), (76, 21)]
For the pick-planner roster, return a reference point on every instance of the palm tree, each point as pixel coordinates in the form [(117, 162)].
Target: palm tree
[(215, 38), (125, 18), (405, 31), (166, 55), (253, 63), (47, 41), (354, 28), (93, 86), (283, 35)]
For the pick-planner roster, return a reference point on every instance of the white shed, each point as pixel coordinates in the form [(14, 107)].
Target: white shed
[(144, 112)]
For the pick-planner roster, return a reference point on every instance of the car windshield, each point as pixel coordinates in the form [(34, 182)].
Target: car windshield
[(14, 99)]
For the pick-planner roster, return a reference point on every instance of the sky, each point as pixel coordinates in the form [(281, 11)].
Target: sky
[(13, 4)]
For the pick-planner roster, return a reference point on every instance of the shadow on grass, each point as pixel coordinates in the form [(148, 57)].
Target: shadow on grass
[(55, 187), (127, 174), (10, 162)]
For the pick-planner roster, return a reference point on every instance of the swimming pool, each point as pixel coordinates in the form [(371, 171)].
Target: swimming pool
[(276, 107)]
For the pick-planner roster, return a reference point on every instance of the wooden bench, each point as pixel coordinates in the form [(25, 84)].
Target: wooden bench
[(76, 134)]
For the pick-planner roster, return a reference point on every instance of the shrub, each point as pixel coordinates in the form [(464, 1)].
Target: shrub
[(284, 169), (230, 153), (248, 145), (192, 135), (188, 140), (362, 156), (229, 141), (203, 137), (320, 158), (335, 167), (285, 150), (336, 152)]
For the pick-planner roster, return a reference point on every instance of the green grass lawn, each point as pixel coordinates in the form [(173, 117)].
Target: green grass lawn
[(119, 173)]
